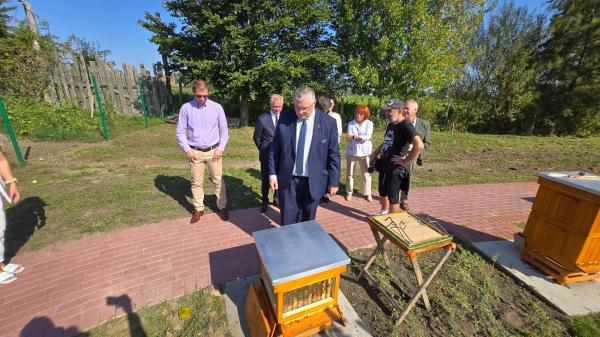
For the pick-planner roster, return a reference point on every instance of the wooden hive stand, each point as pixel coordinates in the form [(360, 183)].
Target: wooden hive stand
[(412, 236)]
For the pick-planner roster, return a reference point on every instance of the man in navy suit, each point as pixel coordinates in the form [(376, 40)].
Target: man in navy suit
[(264, 131), (304, 158)]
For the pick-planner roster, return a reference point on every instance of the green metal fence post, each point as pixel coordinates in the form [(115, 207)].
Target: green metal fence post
[(11, 133), (100, 108), (143, 102)]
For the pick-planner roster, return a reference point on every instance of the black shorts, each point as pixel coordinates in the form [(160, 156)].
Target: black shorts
[(392, 180)]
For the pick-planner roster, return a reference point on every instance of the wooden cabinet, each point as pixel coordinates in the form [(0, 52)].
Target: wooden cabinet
[(562, 235)]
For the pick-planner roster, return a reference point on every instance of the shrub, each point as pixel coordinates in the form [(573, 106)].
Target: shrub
[(41, 122)]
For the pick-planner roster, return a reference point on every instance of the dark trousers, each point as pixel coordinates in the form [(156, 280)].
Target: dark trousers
[(296, 204), (264, 173)]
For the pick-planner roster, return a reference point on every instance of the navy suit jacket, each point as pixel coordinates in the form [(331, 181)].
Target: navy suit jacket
[(323, 161), (264, 131)]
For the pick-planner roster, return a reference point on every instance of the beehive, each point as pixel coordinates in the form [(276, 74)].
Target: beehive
[(562, 235), (300, 276)]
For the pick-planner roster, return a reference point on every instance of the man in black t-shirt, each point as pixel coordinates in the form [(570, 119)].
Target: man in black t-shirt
[(394, 174)]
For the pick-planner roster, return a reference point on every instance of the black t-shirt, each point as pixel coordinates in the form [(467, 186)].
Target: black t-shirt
[(396, 138)]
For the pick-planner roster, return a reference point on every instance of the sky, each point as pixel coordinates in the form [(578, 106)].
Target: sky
[(113, 24)]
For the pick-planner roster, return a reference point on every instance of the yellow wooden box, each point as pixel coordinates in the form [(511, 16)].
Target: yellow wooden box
[(297, 293), (562, 235)]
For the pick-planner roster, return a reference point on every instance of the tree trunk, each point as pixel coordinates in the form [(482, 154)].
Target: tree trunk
[(447, 113), (167, 69), (244, 111), (31, 23), (180, 93)]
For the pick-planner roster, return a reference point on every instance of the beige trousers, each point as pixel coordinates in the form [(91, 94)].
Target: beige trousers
[(363, 164), (215, 171)]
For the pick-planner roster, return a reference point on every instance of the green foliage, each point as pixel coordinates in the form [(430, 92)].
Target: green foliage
[(249, 49), (40, 122), (585, 326), (531, 78), (88, 49), (570, 86), (405, 47), (499, 86), (4, 17), (23, 70)]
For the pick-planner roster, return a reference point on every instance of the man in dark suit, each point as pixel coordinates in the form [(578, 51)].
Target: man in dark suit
[(423, 130), (264, 131), (304, 159)]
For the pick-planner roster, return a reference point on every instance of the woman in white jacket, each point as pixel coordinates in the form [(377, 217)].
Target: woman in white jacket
[(358, 151)]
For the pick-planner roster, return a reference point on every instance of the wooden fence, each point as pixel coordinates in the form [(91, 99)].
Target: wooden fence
[(73, 82)]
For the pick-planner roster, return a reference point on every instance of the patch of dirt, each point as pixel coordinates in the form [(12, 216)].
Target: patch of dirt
[(469, 297), (513, 319)]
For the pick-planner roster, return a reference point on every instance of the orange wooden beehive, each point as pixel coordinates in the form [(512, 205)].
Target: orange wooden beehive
[(297, 293), (562, 235)]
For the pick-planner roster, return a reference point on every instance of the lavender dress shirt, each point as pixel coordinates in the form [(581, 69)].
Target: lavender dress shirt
[(205, 125)]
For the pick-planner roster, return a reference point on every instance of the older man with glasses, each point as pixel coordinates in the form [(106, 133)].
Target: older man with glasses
[(304, 158), (202, 134)]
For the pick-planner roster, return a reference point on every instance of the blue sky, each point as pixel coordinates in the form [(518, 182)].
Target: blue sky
[(113, 24)]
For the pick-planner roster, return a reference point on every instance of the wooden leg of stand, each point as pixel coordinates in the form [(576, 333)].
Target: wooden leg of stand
[(378, 250), (419, 276), (423, 287)]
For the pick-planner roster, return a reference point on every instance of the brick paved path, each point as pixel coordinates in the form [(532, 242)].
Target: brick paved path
[(65, 288)]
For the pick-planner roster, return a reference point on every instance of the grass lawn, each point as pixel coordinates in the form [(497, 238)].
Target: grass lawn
[(207, 319)]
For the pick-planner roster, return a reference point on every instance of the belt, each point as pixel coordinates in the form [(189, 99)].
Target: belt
[(204, 149), (300, 177)]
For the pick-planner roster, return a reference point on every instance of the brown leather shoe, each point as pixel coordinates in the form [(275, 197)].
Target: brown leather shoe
[(224, 214), (404, 206), (196, 216)]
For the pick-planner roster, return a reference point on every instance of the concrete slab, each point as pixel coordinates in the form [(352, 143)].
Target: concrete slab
[(235, 298), (579, 298)]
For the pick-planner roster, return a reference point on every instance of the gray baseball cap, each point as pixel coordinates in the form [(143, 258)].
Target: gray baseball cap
[(394, 103)]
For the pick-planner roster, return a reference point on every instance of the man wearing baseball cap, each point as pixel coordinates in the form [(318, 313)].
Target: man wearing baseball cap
[(393, 164)]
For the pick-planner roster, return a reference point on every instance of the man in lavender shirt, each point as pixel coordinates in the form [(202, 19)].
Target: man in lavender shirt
[(206, 126)]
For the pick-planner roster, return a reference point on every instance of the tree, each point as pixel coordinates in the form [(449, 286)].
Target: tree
[(499, 85), (24, 70), (89, 49), (570, 85), (249, 49), (400, 47), (4, 17)]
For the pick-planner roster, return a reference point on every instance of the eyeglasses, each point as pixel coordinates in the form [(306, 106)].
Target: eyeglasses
[(202, 96)]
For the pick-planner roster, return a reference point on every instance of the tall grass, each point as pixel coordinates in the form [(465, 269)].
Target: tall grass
[(40, 122)]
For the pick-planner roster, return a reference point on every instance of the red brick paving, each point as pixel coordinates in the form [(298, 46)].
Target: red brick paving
[(66, 288)]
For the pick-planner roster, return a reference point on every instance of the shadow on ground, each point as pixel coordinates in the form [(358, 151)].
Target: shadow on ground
[(233, 263), (133, 320), (22, 220), (43, 326), (180, 189)]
